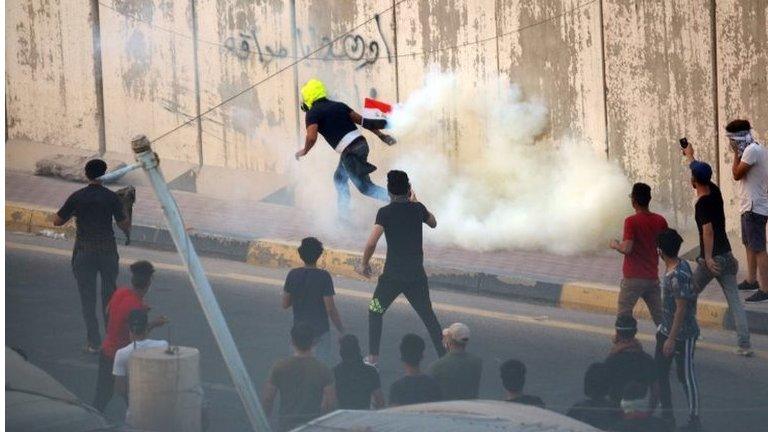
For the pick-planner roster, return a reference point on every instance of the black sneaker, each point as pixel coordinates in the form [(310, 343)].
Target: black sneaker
[(748, 286), (757, 297)]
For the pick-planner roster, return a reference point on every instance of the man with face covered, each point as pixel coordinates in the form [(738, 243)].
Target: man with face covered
[(337, 123)]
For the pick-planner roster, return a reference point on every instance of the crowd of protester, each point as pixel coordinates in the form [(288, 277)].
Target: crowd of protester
[(622, 392)]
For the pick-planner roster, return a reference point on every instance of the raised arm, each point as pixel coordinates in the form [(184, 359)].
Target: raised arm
[(358, 119)]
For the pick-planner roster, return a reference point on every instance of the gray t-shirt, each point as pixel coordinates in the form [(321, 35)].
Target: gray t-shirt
[(753, 188), (458, 375), (678, 285)]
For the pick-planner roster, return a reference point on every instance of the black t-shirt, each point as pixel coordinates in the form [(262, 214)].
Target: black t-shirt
[(709, 209), (648, 424), (600, 413), (307, 287), (402, 222), (628, 366), (93, 206), (354, 384), (416, 389), (528, 400), (332, 120)]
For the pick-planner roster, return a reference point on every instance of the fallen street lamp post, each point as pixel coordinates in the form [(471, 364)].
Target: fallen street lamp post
[(148, 160)]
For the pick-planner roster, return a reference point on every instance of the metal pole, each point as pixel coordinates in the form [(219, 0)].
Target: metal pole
[(116, 174), (202, 288)]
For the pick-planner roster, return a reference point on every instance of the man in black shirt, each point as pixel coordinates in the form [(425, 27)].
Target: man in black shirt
[(95, 250), (358, 385), (715, 259), (415, 387), (337, 123), (597, 410), (400, 222), (627, 362)]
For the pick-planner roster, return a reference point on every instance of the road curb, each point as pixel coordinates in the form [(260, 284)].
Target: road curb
[(275, 253)]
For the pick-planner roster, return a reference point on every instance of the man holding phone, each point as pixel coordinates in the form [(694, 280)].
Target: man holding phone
[(715, 259)]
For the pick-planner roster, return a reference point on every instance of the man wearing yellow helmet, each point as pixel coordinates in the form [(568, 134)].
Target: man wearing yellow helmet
[(337, 123)]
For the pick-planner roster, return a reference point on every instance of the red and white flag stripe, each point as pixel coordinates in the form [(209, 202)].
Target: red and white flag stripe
[(375, 113)]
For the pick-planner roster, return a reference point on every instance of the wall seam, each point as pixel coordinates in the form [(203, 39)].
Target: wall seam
[(195, 46), (715, 87), (397, 63), (297, 99), (605, 81), (98, 76)]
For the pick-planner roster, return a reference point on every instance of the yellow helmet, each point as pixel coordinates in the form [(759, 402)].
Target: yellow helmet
[(313, 90)]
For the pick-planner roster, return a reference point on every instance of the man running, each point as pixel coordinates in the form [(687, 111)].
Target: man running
[(400, 222), (337, 123)]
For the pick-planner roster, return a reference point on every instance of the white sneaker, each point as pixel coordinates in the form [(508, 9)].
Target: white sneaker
[(745, 352)]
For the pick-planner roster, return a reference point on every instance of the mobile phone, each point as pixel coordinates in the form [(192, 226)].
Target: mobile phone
[(684, 142)]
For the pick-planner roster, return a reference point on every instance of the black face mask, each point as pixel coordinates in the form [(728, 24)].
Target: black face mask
[(304, 107)]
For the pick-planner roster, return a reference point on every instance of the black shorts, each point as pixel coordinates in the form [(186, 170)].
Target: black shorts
[(753, 231)]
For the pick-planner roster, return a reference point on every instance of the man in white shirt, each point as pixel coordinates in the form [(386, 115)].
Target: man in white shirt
[(138, 327), (750, 170)]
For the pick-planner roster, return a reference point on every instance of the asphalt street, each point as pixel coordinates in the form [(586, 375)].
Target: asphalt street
[(43, 318)]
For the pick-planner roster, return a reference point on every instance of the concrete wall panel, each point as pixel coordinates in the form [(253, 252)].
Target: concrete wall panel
[(241, 44), (429, 35), (658, 62), (50, 91), (558, 60), (147, 57), (742, 72)]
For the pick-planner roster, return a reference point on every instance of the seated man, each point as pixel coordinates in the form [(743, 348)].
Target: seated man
[(627, 362), (138, 327), (415, 387), (458, 372), (513, 379), (304, 383), (597, 410)]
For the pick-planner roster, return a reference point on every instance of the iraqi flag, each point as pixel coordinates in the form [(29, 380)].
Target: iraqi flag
[(375, 113)]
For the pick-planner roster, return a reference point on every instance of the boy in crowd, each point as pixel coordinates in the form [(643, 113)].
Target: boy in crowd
[(678, 331), (641, 261), (750, 170), (357, 384), (715, 259), (627, 362), (597, 410), (415, 387), (513, 379), (138, 326), (309, 291), (123, 302), (304, 383), (458, 372)]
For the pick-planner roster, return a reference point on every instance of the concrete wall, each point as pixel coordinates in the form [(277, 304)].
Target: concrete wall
[(630, 77)]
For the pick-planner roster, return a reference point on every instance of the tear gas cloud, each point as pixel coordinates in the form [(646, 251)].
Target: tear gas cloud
[(502, 189), (499, 187)]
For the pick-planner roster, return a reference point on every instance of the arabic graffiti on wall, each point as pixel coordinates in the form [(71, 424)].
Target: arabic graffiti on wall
[(351, 47)]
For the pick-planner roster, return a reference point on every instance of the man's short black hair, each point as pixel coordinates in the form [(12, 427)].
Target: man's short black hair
[(597, 381), (738, 125), (641, 194), (310, 250), (95, 168), (412, 349), (138, 320), (397, 182), (626, 326), (302, 336), (349, 349), (513, 375), (669, 242), (141, 274)]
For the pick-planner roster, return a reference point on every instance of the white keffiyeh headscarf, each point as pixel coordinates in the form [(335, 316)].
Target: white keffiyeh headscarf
[(741, 139)]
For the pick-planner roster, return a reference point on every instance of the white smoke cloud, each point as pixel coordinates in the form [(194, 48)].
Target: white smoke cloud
[(501, 189)]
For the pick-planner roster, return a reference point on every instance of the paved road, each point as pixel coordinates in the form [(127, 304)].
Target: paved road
[(43, 318)]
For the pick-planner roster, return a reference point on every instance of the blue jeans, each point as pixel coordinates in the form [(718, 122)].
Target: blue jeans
[(354, 166)]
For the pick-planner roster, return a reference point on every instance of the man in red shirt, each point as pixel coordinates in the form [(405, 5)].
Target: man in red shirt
[(123, 302), (641, 259)]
